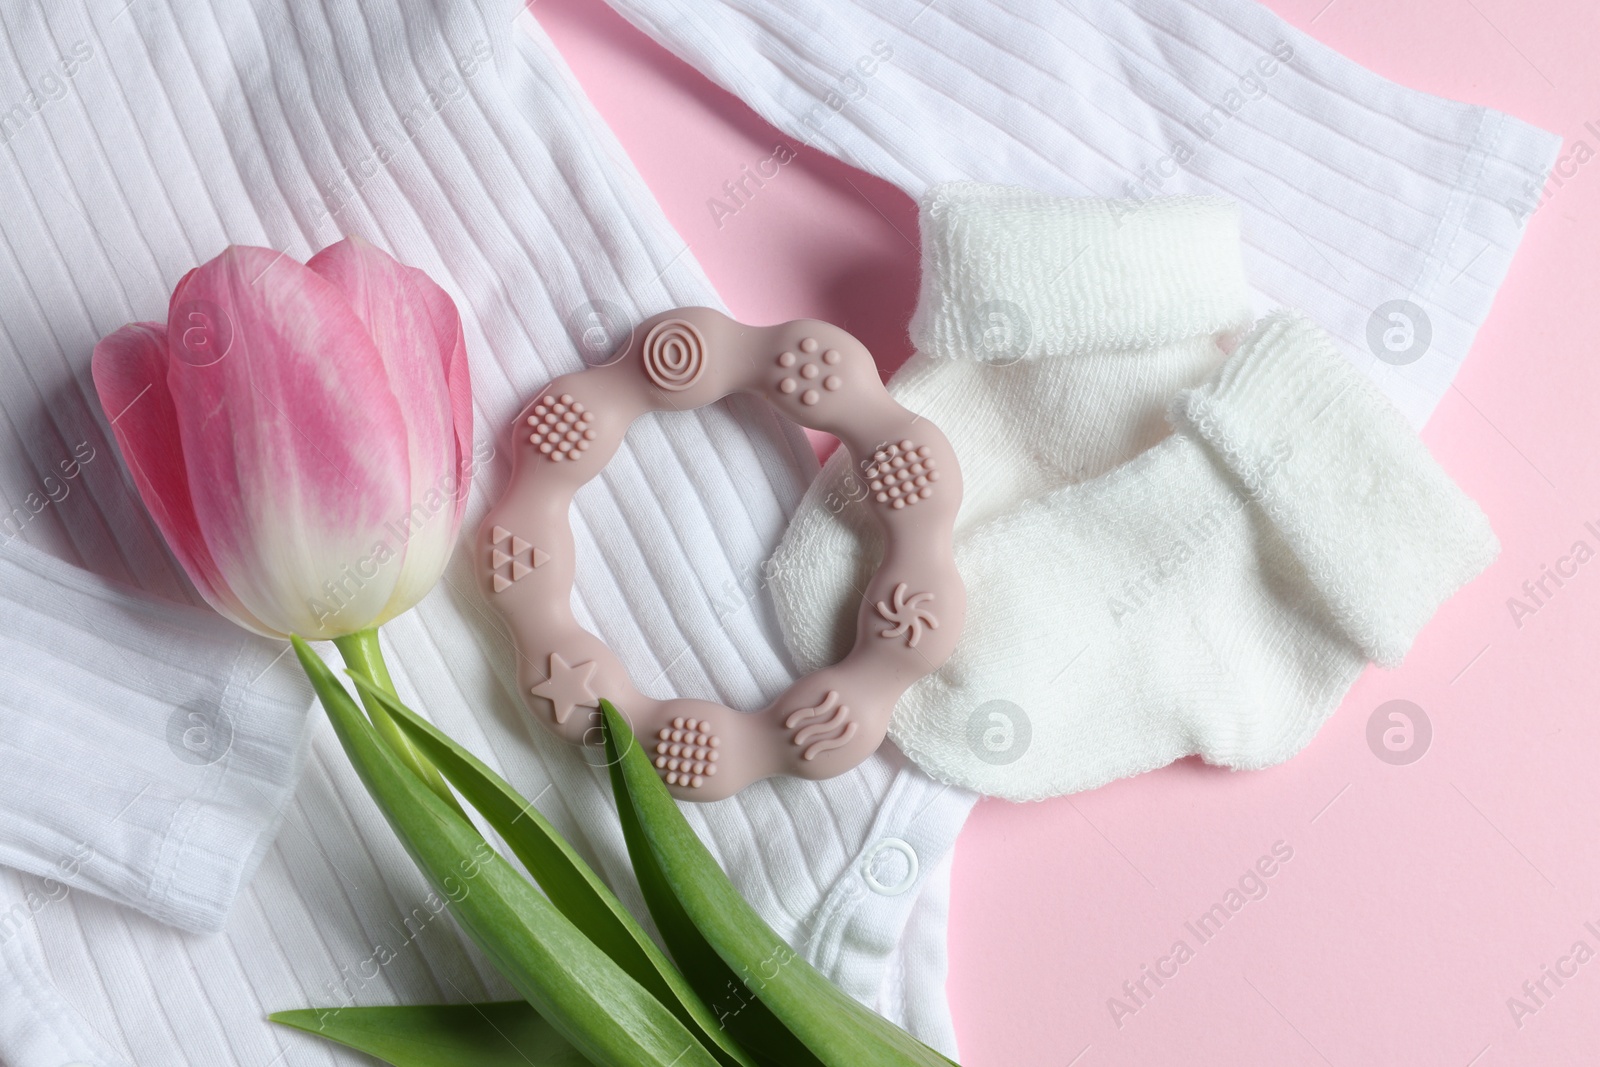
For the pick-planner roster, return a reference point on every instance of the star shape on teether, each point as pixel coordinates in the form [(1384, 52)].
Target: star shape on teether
[(567, 686)]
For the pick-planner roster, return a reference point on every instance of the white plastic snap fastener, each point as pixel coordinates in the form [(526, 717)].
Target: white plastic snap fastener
[(907, 879)]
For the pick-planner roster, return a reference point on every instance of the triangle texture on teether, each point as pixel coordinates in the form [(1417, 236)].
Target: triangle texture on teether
[(519, 546), (500, 533), (500, 558), (520, 571), (500, 583), (540, 557)]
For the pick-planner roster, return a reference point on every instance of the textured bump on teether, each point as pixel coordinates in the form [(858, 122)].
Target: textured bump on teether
[(674, 355), (514, 562), (562, 427), (908, 615), (902, 474), (825, 726), (686, 752), (567, 687), (809, 368)]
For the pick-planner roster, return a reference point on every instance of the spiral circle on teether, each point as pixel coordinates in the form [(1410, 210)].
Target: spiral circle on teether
[(674, 355)]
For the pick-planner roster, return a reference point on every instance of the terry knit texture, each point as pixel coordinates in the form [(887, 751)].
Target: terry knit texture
[(1216, 595), (1061, 277), (1135, 595), (1379, 527)]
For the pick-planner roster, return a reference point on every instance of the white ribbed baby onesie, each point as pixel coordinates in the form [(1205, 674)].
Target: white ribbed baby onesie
[(150, 748)]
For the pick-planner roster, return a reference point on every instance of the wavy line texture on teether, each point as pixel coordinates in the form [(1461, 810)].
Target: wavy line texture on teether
[(822, 728), (908, 620)]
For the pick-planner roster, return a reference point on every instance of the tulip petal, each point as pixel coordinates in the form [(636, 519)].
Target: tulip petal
[(130, 375), (296, 448), (415, 327), (452, 347)]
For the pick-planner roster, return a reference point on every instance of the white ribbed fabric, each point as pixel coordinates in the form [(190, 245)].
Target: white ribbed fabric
[(155, 134), (115, 778), (1356, 191)]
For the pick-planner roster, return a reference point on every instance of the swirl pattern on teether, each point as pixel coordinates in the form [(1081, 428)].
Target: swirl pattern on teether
[(815, 374), (674, 355), (908, 616)]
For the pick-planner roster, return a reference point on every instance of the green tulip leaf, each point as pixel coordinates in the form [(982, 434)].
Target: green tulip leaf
[(567, 880), (610, 1018), (501, 1034), (687, 891)]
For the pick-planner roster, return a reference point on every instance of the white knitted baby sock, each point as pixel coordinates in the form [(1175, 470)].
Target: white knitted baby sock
[(1217, 594), (1051, 334)]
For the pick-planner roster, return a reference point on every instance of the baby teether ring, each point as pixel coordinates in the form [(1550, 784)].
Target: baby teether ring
[(911, 611)]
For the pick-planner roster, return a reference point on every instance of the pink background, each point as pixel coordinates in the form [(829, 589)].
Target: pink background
[(1418, 897)]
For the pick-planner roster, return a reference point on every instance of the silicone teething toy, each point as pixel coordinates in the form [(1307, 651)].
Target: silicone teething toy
[(911, 611)]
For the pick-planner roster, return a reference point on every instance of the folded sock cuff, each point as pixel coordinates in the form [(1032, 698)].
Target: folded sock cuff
[(1384, 534), (1009, 273)]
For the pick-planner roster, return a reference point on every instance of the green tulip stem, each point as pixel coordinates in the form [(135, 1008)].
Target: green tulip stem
[(363, 656)]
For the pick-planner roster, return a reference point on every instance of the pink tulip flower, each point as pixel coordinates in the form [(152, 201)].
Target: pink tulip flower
[(301, 434)]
